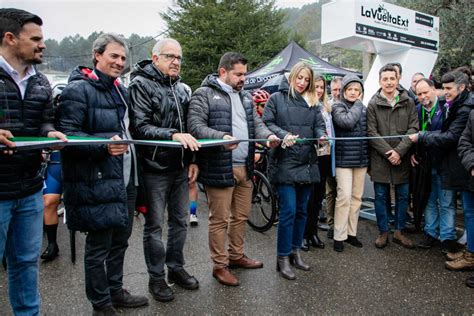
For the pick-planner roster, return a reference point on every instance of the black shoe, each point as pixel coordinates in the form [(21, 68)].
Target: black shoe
[(449, 245), (427, 241), (104, 311), (305, 245), (330, 233), (51, 252), (352, 240), (123, 298), (316, 242), (183, 279), (160, 290), (338, 245), (470, 282)]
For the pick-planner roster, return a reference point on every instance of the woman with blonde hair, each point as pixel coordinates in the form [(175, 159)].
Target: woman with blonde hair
[(292, 114)]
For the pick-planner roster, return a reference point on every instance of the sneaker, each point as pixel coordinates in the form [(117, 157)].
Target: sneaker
[(450, 246), (382, 240), (352, 240), (466, 262), (123, 298), (193, 220), (402, 240), (182, 278), (323, 226), (160, 290), (427, 241)]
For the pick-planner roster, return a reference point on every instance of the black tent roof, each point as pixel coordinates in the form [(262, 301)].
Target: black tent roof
[(287, 58)]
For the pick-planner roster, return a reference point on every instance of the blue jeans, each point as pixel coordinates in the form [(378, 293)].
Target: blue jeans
[(382, 192), (468, 206), (440, 211), (21, 229), (292, 201)]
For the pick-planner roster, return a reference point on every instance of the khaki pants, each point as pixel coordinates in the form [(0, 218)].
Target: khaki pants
[(228, 212), (331, 191), (350, 187)]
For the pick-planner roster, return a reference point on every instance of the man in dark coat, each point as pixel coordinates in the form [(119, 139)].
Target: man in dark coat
[(100, 180), (390, 112), (220, 109), (159, 104), (25, 110)]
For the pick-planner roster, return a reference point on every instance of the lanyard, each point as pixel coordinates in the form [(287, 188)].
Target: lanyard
[(432, 112)]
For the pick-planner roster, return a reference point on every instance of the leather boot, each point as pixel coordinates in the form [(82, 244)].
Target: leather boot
[(305, 245), (51, 252), (283, 266), (297, 261), (316, 242)]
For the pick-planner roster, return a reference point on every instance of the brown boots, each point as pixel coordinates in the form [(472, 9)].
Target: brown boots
[(461, 263), (398, 238)]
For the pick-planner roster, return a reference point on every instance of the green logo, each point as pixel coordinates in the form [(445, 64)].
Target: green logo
[(268, 68)]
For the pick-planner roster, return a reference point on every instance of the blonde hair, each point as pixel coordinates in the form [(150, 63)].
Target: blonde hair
[(310, 91), (325, 99), (354, 83)]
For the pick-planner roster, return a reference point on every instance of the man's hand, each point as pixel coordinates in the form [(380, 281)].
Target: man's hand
[(414, 137), (289, 140), (4, 139), (413, 161), (393, 157), (58, 135), (193, 172), (230, 146), (187, 140), (117, 149), (273, 141)]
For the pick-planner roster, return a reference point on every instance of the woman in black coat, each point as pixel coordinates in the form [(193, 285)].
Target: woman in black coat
[(292, 114)]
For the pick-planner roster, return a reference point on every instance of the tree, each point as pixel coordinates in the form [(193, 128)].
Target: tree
[(207, 29)]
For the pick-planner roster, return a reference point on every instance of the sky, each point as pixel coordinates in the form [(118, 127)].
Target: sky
[(62, 18)]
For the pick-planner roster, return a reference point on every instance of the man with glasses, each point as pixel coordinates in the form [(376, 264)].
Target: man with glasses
[(159, 104)]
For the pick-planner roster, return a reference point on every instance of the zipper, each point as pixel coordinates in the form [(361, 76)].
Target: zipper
[(179, 118)]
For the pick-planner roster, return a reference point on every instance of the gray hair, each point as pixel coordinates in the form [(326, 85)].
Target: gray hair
[(336, 80), (162, 43), (101, 42)]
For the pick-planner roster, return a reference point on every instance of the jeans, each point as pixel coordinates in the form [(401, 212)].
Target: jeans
[(107, 246), (293, 201), (382, 192), (468, 206), (165, 191), (440, 211), (21, 229)]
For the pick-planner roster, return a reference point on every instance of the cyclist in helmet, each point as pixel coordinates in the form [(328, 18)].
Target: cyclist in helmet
[(260, 98)]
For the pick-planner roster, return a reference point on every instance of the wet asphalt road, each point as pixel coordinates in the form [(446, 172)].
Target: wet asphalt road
[(357, 281)]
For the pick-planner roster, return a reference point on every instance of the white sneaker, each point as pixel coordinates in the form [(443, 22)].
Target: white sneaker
[(193, 220)]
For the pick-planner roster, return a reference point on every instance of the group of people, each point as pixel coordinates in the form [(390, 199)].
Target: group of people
[(299, 123)]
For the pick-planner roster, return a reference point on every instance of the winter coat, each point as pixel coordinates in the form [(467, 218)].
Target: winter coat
[(466, 149), (31, 116), (284, 114), (385, 120), (350, 120), (454, 175), (94, 190), (159, 105), (210, 117)]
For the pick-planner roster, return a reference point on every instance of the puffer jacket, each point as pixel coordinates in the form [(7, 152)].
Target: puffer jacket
[(210, 117), (454, 175), (350, 120), (159, 106), (466, 149), (94, 190), (31, 116), (284, 114), (385, 120)]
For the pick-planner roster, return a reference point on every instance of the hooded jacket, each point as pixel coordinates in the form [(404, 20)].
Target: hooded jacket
[(94, 189), (385, 120), (454, 175), (285, 114), (29, 116), (210, 117), (159, 106), (350, 120)]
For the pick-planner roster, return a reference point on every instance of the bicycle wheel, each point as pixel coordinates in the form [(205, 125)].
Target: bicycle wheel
[(263, 211)]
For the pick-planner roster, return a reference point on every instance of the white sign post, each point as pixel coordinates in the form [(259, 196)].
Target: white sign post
[(393, 33)]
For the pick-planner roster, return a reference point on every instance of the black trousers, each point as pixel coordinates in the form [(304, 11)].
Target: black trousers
[(318, 194), (104, 255)]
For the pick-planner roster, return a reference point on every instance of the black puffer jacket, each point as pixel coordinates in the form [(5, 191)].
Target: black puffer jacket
[(466, 149), (210, 117), (159, 106), (455, 176), (284, 114), (350, 120), (94, 189), (32, 116)]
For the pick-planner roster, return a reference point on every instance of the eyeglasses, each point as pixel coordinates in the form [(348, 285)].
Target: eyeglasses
[(171, 57)]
